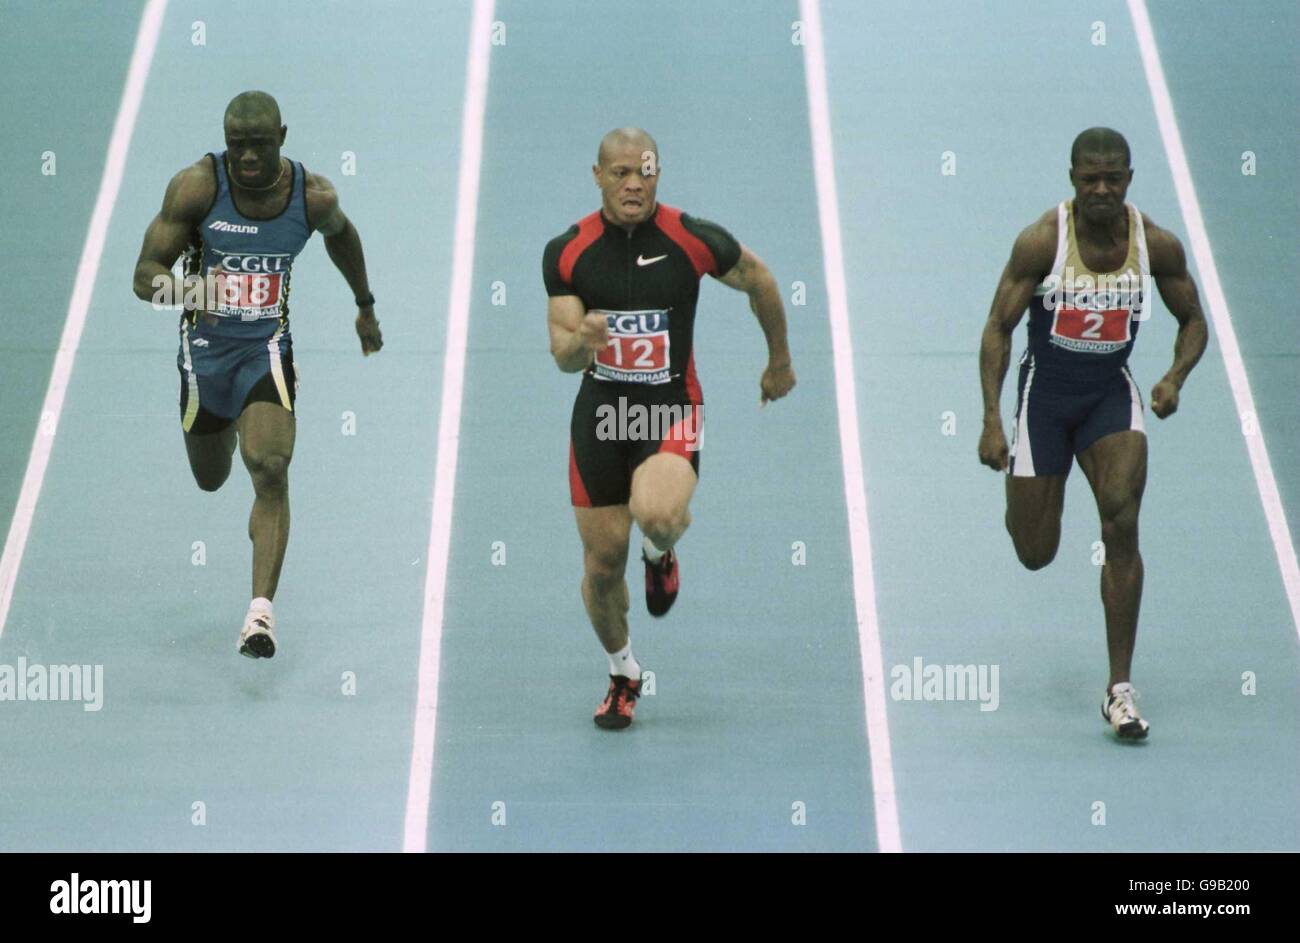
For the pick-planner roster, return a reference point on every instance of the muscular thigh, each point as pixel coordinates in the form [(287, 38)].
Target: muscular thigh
[(1116, 466), (663, 483), (266, 429), (210, 452), (1034, 503)]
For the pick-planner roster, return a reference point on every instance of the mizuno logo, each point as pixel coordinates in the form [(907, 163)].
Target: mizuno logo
[(222, 226), (200, 342), (642, 260)]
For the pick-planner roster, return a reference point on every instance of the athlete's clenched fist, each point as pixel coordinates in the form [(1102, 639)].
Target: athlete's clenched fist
[(594, 331)]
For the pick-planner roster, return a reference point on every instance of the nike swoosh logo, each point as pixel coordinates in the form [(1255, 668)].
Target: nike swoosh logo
[(642, 260)]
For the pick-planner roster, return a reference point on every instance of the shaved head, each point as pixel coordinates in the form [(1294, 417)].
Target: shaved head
[(621, 137), (1099, 142), (253, 107), (627, 172), (254, 136)]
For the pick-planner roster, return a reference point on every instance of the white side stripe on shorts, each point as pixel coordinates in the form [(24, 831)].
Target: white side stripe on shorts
[(191, 383), (1022, 456), (1135, 398), (277, 369)]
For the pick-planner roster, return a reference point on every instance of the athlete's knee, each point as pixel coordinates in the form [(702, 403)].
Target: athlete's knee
[(1035, 531), (663, 531), (662, 524), (208, 480), (604, 566), (1119, 527), (209, 458), (1035, 557), (269, 471), (1034, 551)]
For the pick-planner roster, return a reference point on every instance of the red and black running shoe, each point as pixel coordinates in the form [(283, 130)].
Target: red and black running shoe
[(662, 580), (615, 712)]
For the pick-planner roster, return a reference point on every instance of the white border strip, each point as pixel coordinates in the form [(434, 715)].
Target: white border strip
[(855, 493), (419, 783), (1218, 304), (146, 40)]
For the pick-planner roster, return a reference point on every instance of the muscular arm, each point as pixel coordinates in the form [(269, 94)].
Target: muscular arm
[(751, 276), (1030, 262), (1178, 290), (342, 241), (571, 345), (184, 204)]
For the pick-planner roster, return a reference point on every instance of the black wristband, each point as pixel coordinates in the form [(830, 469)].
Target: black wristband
[(367, 302)]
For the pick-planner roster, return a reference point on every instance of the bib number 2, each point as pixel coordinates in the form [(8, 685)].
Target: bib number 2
[(1091, 331)]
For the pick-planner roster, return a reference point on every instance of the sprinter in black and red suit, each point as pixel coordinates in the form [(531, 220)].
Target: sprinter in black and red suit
[(622, 285)]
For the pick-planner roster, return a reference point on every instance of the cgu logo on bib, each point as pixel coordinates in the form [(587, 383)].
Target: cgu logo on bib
[(637, 351), (251, 285), (238, 262), (1093, 314)]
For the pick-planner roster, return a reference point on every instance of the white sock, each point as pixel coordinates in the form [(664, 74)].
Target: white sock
[(652, 553), (623, 662), (260, 604)]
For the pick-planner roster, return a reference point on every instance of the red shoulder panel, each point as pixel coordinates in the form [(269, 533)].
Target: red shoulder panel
[(589, 230), (669, 220)]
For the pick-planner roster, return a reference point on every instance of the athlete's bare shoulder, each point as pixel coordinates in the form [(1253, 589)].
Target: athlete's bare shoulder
[(1153, 231), (322, 204), (318, 184), (1163, 249), (190, 192), (1035, 248)]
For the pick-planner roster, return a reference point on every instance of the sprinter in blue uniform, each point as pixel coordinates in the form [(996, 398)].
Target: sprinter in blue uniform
[(240, 217), (1083, 272)]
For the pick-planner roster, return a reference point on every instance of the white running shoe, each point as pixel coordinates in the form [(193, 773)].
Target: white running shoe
[(257, 640), (1122, 713)]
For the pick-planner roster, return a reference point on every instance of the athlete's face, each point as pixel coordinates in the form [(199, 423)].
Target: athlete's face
[(1100, 185), (253, 150), (627, 176)]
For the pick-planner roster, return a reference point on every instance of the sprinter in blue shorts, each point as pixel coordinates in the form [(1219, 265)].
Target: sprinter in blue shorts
[(240, 217), (1083, 271)]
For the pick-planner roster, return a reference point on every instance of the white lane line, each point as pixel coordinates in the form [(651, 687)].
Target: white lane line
[(419, 782), (855, 492), (1218, 304), (146, 40)]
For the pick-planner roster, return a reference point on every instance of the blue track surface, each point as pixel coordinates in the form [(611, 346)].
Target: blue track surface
[(758, 710)]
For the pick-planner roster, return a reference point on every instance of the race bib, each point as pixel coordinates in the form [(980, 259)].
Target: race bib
[(1091, 331), (248, 297), (250, 287), (637, 351)]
